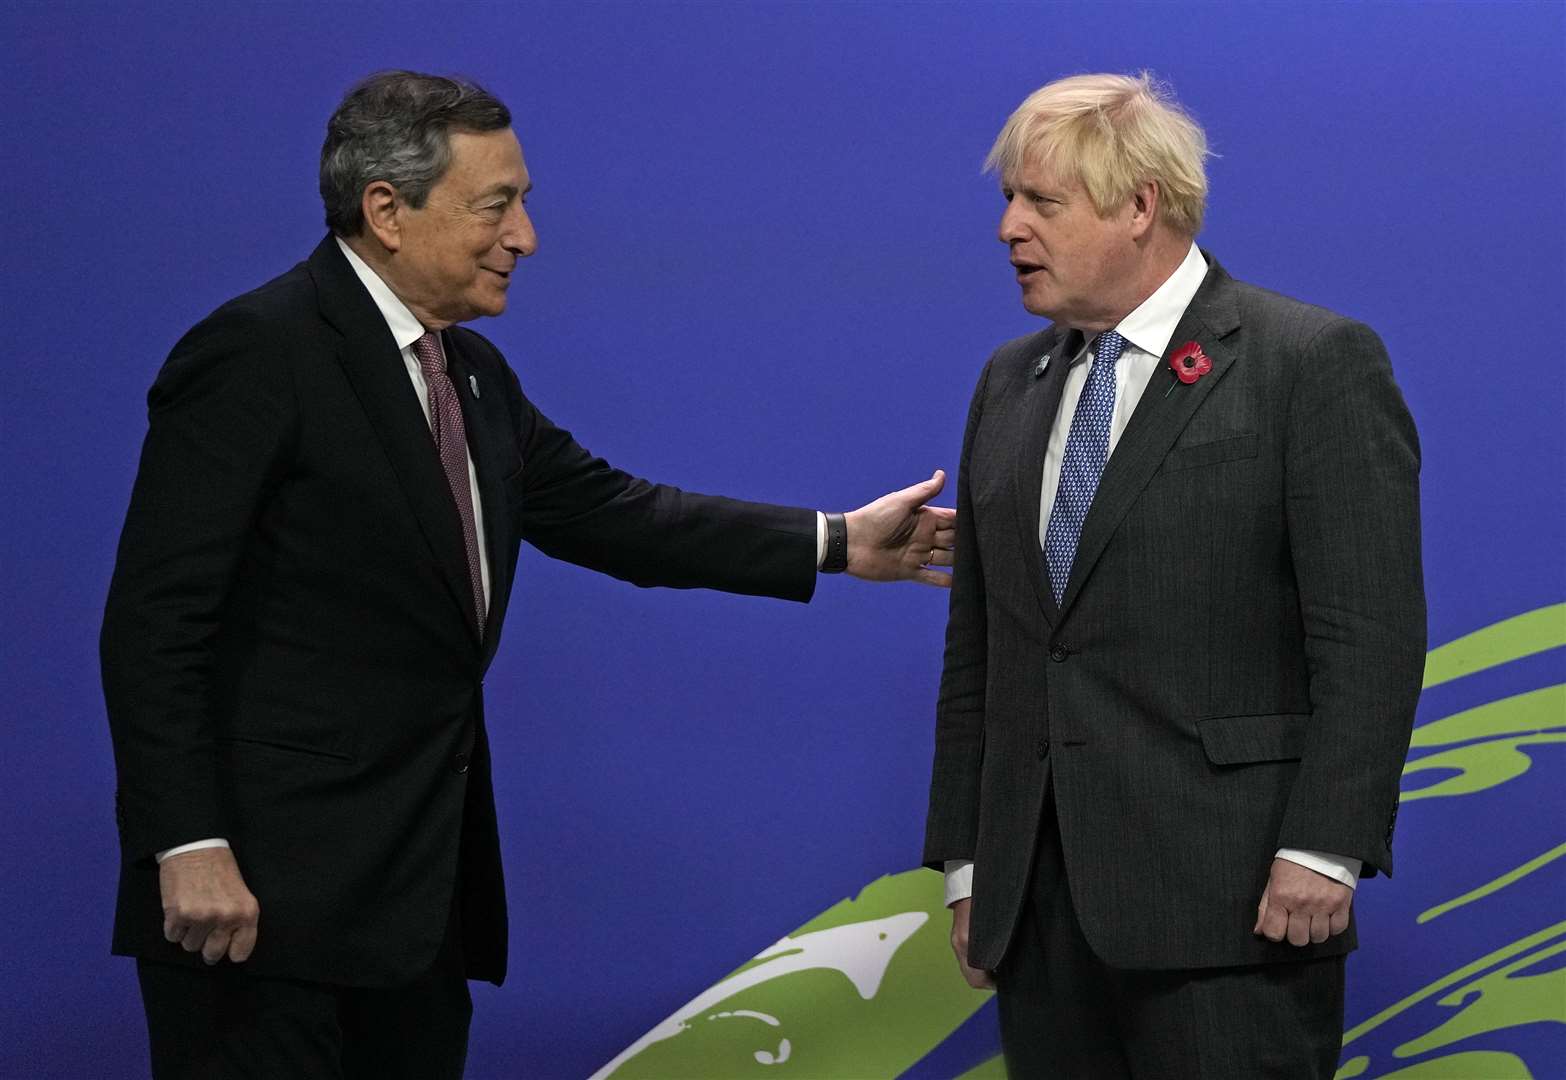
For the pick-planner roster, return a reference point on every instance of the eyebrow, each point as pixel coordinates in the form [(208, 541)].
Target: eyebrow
[(1036, 191), (507, 190)]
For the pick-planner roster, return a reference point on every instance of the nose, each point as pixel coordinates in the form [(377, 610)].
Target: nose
[(1012, 229), (517, 234)]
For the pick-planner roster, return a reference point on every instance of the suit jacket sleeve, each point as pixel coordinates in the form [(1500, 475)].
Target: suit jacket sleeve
[(574, 506), (1351, 493), (221, 416), (952, 825)]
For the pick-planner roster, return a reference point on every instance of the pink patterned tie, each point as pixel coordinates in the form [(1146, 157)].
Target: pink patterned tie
[(451, 442)]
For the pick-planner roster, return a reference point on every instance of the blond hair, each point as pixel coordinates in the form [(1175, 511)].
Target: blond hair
[(1111, 133)]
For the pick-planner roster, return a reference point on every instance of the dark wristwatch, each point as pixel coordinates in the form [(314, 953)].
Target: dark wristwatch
[(836, 560)]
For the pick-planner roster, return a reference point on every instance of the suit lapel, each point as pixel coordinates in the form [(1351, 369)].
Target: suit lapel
[(487, 423), (376, 372), (1040, 403), (1164, 410)]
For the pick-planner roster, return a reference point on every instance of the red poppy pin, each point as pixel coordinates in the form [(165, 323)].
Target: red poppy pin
[(1189, 363)]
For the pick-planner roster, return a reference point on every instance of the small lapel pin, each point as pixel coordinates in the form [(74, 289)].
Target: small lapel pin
[(473, 384), (1041, 367)]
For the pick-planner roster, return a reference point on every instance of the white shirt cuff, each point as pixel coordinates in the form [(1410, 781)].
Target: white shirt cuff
[(194, 845), (820, 539), (1339, 868), (959, 880)]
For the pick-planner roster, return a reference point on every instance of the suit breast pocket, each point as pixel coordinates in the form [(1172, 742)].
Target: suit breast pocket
[(1214, 452)]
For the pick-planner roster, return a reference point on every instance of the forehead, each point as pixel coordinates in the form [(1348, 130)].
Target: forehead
[(485, 159), (1036, 174)]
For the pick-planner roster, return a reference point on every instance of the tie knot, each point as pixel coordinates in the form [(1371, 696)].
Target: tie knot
[(431, 360), (1107, 347)]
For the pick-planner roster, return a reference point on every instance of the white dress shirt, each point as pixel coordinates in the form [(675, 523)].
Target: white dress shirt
[(1147, 331), (406, 329)]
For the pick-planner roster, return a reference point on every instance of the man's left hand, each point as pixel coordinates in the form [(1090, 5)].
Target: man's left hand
[(898, 537), (1301, 905)]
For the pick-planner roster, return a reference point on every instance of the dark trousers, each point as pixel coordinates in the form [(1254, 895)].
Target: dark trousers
[(221, 1023), (1064, 1013)]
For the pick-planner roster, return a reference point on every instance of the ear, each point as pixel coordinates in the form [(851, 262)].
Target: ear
[(1144, 207), (381, 206)]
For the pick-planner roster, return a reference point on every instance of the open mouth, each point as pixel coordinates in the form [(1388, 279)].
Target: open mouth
[(1025, 270)]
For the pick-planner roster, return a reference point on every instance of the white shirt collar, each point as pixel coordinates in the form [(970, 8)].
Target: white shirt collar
[(1153, 322), (404, 326)]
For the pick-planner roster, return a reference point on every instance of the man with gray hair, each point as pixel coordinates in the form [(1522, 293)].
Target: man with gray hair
[(1187, 627), (311, 583)]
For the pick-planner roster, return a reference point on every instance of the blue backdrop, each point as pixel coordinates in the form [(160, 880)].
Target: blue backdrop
[(768, 267)]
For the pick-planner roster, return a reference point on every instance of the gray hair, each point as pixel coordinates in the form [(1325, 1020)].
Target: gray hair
[(396, 126)]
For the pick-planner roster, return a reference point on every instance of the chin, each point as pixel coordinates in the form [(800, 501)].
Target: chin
[(1042, 308), (488, 306)]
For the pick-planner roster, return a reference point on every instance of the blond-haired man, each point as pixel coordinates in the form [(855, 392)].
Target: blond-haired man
[(1187, 628)]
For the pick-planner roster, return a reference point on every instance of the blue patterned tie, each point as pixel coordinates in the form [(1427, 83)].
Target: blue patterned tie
[(1087, 449)]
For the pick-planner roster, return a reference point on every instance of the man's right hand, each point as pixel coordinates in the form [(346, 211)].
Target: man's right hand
[(206, 906), (977, 978)]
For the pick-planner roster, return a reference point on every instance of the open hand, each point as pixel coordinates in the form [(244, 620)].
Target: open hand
[(899, 538), (206, 906)]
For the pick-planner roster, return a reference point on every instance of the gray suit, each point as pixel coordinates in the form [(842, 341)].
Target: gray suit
[(1234, 665)]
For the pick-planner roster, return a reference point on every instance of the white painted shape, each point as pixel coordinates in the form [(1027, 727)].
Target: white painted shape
[(765, 1057), (860, 951), (748, 1013)]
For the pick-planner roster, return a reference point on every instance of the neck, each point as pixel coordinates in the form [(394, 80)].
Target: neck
[(1160, 253), (384, 262)]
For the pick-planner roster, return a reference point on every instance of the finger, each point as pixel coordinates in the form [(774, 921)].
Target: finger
[(1299, 929), (933, 577), (1261, 913), (978, 978), (195, 937), (925, 490), (1338, 921), (216, 945), (243, 944), (945, 517), (940, 557), (174, 927), (1275, 924), (1320, 929)]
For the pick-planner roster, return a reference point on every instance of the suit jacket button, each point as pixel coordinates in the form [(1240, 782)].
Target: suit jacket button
[(1058, 653), (460, 763), (1043, 748)]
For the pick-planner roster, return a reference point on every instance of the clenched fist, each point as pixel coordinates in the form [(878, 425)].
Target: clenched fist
[(206, 906), (977, 978), (1301, 906)]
